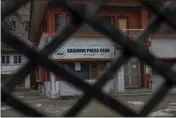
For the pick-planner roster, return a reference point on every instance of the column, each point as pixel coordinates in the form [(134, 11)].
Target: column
[(52, 85), (27, 81), (121, 84), (144, 17)]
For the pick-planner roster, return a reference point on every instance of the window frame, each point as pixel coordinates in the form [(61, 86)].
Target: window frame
[(17, 59), (78, 33), (89, 68), (61, 14), (5, 59), (165, 29)]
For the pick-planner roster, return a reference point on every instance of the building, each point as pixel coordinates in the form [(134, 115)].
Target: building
[(11, 59), (11, 62), (88, 51), (165, 49)]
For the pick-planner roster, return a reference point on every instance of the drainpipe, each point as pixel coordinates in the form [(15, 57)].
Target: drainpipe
[(52, 86)]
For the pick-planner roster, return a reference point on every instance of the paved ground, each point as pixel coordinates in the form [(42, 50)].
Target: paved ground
[(57, 107)]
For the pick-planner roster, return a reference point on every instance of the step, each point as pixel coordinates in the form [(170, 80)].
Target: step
[(27, 93)]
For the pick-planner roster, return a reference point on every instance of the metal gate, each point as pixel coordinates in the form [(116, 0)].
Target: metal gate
[(132, 74), (87, 13)]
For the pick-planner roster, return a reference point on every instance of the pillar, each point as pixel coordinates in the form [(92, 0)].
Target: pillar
[(121, 83), (27, 81), (144, 23), (52, 85), (144, 17)]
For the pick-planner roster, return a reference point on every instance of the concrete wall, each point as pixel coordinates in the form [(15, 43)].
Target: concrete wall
[(162, 48)]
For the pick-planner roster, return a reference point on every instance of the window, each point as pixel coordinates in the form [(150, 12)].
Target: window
[(110, 19), (5, 60), (59, 22), (170, 29), (161, 29), (26, 27), (83, 71), (17, 59), (94, 70), (162, 26)]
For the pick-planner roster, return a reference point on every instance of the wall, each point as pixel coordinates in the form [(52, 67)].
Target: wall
[(164, 47), (133, 15), (12, 68), (64, 89)]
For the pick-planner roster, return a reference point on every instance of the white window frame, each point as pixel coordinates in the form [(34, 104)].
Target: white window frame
[(17, 61), (5, 59)]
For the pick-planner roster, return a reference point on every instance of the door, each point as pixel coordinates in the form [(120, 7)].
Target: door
[(132, 74), (122, 23), (22, 84)]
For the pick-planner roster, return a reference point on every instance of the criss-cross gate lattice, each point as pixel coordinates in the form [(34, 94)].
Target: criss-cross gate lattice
[(87, 13)]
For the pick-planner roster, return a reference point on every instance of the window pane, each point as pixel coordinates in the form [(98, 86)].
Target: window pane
[(3, 60), (170, 29), (103, 65), (59, 22), (19, 59), (161, 29), (7, 60), (83, 74), (15, 59), (94, 70), (71, 66), (107, 18)]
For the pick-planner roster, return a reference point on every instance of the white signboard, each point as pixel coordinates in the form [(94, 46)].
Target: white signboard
[(72, 52)]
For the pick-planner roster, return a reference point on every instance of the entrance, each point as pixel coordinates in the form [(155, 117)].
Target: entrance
[(122, 23), (22, 84), (132, 74)]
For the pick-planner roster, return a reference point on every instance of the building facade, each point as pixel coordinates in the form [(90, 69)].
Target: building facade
[(11, 62), (165, 49), (11, 59), (87, 51)]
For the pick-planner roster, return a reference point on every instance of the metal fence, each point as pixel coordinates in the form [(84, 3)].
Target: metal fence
[(87, 13)]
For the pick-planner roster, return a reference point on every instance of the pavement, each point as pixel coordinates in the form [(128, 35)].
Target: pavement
[(57, 107)]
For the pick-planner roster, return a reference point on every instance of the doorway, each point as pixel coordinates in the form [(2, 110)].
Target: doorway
[(122, 23), (132, 74)]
